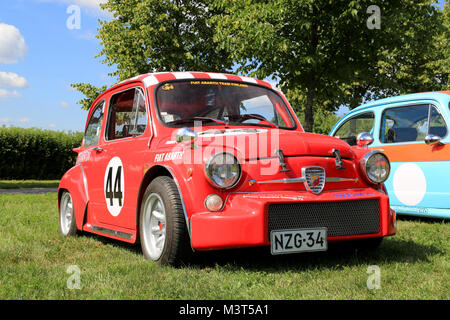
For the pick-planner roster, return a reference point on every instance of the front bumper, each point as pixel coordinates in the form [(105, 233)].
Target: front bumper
[(244, 221)]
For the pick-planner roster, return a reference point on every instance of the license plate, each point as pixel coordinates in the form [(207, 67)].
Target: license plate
[(299, 240)]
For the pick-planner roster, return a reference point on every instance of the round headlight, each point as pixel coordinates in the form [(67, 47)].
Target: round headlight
[(223, 170), (376, 167)]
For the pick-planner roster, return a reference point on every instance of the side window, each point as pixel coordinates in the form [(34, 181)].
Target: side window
[(94, 126), (127, 114), (437, 124), (350, 129), (411, 123)]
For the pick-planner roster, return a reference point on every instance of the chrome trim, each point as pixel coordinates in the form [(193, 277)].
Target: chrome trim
[(363, 166), (431, 140), (112, 232), (289, 180), (208, 163), (364, 139), (186, 134), (337, 179), (302, 179)]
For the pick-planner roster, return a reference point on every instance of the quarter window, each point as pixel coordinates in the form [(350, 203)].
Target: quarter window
[(353, 126), (127, 114), (411, 123), (94, 126)]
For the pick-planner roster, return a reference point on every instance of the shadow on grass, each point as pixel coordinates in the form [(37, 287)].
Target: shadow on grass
[(339, 255), (422, 219)]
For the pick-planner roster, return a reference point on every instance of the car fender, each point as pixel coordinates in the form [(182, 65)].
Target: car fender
[(175, 174), (75, 182)]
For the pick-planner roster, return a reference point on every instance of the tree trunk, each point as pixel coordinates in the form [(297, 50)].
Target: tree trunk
[(309, 112)]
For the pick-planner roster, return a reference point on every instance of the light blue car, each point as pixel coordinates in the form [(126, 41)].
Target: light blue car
[(412, 130)]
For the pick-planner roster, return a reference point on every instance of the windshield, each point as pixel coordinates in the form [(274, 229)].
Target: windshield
[(221, 103)]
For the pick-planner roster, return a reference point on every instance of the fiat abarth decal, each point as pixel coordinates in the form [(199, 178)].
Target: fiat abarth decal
[(412, 130), (190, 161)]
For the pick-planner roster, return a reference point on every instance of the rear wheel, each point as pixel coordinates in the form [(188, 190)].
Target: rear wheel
[(163, 233), (67, 223)]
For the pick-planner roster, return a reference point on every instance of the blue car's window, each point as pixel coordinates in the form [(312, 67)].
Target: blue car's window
[(437, 124), (350, 129), (411, 123)]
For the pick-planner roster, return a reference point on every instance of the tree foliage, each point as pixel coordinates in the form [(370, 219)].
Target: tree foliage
[(160, 35), (90, 92), (157, 35), (324, 52)]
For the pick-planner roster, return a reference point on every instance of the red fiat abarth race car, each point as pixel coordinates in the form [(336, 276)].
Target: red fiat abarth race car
[(185, 161)]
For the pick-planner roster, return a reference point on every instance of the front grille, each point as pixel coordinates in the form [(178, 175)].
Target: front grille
[(341, 218)]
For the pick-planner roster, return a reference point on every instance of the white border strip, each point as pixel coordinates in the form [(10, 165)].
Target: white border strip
[(183, 75), (217, 76), (150, 81)]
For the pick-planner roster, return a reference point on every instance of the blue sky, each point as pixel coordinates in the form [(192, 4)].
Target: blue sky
[(35, 76), (40, 57)]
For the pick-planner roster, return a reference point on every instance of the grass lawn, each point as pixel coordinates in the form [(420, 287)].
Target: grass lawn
[(34, 259), (16, 184)]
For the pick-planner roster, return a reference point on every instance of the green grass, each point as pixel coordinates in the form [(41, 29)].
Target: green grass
[(34, 259), (17, 184)]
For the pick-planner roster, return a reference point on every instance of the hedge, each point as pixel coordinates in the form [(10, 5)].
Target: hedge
[(35, 153)]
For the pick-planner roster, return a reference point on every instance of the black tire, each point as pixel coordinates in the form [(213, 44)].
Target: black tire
[(67, 221), (162, 209)]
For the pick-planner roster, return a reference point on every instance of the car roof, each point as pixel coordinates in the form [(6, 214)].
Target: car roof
[(437, 95), (150, 79)]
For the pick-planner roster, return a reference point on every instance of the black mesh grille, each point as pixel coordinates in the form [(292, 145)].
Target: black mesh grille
[(340, 218)]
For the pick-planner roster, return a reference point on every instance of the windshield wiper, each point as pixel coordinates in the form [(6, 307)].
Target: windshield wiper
[(247, 116), (180, 121)]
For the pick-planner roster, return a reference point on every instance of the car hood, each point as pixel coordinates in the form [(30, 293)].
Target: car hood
[(258, 143)]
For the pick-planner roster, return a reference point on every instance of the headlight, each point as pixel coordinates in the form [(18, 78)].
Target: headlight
[(223, 170), (376, 167)]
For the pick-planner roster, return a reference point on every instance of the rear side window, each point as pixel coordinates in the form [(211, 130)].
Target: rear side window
[(350, 129), (127, 114), (411, 123), (94, 126)]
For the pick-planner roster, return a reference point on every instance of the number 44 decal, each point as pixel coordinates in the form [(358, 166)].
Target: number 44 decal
[(114, 186), (117, 193)]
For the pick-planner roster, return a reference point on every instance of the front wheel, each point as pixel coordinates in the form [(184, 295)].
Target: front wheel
[(163, 232)]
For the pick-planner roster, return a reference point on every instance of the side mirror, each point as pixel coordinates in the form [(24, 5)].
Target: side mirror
[(432, 140), (364, 139), (186, 135)]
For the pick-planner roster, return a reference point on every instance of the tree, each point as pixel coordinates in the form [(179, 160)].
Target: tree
[(157, 35), (326, 54)]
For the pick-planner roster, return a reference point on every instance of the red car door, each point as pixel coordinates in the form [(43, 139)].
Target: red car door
[(120, 170)]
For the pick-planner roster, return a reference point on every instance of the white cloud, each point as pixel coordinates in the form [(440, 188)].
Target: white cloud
[(5, 120), (12, 80), (88, 4), (12, 44), (64, 104), (9, 94), (24, 120), (52, 125)]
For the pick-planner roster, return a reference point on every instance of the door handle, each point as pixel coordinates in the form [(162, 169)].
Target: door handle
[(98, 149)]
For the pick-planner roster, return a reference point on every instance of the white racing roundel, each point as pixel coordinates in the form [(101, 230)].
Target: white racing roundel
[(114, 186)]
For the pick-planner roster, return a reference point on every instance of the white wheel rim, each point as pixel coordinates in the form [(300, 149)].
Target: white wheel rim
[(66, 213), (154, 225)]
